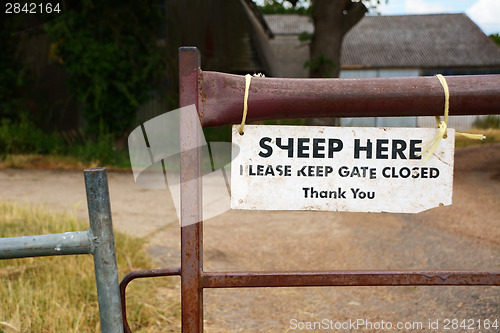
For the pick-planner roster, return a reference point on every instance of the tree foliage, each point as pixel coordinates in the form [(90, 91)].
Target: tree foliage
[(496, 38), (303, 7), (111, 53), (285, 7)]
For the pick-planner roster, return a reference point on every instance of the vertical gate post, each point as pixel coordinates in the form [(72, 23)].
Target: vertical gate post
[(103, 249), (191, 194)]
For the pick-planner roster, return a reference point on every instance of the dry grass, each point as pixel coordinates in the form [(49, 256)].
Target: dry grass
[(58, 294)]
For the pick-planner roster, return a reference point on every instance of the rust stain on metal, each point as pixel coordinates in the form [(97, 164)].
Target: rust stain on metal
[(202, 96)]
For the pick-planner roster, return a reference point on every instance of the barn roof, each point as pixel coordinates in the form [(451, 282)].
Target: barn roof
[(289, 24), (407, 41)]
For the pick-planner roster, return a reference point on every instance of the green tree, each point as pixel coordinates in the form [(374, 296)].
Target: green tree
[(110, 51), (332, 19), (496, 38), (280, 7)]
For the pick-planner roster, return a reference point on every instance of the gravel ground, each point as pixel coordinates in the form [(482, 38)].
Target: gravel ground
[(465, 235)]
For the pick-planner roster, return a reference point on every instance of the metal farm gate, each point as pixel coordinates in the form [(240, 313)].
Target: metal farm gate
[(219, 101)]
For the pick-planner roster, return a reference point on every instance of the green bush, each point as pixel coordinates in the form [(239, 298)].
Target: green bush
[(490, 121), (100, 150), (24, 137), (111, 53)]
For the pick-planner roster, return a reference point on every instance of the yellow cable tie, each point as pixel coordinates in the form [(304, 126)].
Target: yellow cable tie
[(248, 79), (431, 146), (472, 136), (443, 82)]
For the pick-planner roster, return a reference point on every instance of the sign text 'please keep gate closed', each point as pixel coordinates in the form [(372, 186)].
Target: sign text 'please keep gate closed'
[(340, 169)]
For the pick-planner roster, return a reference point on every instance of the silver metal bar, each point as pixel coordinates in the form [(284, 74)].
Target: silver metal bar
[(77, 242), (106, 271)]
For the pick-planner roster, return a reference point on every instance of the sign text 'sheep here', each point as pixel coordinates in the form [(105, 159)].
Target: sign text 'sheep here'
[(340, 169)]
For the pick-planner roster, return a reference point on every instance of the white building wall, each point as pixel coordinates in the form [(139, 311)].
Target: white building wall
[(461, 123)]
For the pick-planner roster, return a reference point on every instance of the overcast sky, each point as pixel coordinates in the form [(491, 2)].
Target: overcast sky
[(485, 13)]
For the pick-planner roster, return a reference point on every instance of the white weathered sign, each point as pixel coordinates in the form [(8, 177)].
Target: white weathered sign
[(339, 169)]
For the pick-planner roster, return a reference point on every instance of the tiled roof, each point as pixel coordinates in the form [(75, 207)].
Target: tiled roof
[(289, 24), (415, 41)]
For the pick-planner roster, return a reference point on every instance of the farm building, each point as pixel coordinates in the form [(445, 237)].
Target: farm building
[(394, 46), (232, 36)]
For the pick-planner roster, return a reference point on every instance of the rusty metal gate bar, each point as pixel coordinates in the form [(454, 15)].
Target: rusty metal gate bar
[(191, 196), (221, 97), (98, 240), (219, 101)]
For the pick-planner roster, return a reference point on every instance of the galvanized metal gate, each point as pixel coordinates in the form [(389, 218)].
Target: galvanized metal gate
[(219, 99), (98, 240)]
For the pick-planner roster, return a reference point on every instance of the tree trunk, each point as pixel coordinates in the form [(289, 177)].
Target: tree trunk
[(332, 19)]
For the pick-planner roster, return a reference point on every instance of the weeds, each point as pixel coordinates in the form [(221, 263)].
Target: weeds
[(24, 138), (22, 141)]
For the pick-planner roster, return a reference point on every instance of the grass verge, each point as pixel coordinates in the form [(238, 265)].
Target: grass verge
[(58, 294), (55, 162)]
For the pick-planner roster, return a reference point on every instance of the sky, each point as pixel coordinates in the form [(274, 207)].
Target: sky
[(485, 13)]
